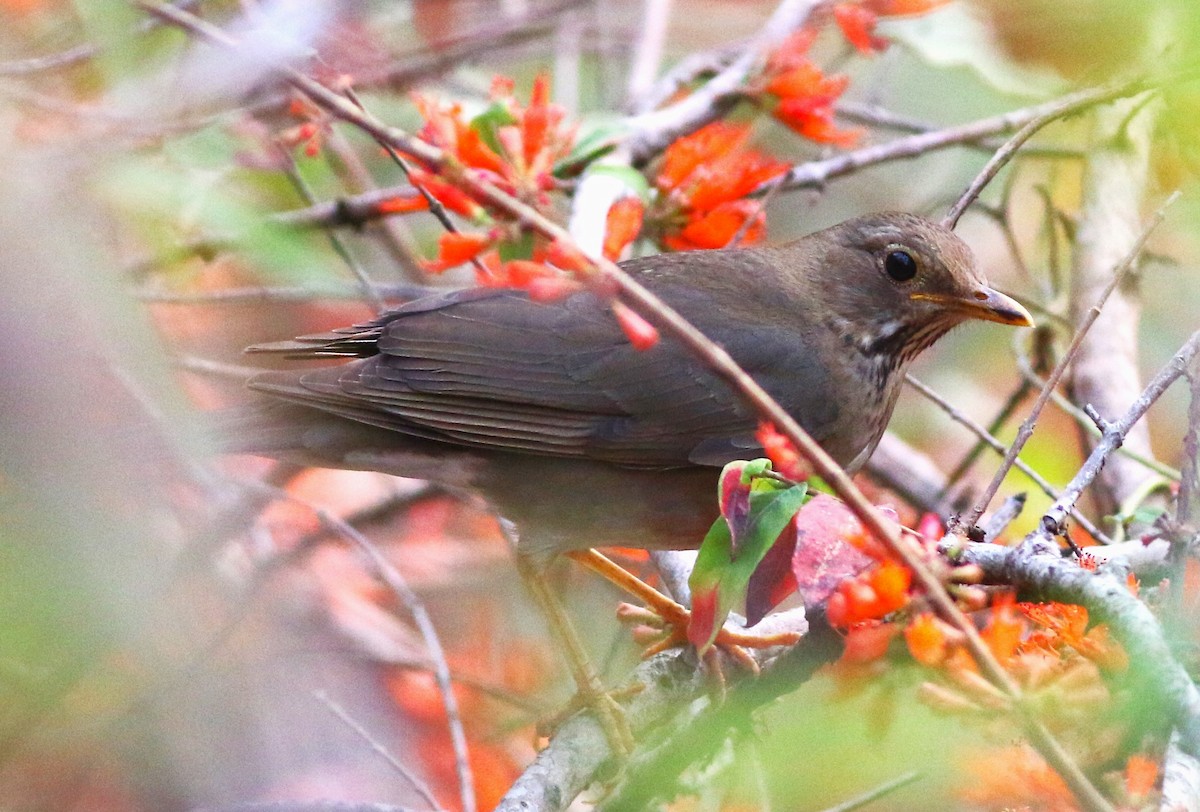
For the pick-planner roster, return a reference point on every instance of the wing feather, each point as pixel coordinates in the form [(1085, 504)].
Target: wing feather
[(492, 369)]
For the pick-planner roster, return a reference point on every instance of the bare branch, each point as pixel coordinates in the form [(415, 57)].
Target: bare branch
[(991, 442), (1114, 436), (1026, 430), (650, 133), (395, 582), (1181, 779)]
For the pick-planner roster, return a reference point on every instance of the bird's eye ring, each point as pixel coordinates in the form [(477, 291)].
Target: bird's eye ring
[(900, 265)]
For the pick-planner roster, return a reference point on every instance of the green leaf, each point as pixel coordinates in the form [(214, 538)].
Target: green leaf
[(755, 510), (630, 178), (489, 122), (521, 248), (598, 138)]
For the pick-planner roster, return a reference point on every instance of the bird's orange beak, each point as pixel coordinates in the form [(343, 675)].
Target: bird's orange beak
[(985, 304)]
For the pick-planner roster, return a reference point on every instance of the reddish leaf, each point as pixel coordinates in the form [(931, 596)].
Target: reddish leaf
[(735, 501), (773, 580), (759, 509), (823, 558)]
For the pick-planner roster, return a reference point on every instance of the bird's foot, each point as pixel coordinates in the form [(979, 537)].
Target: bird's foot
[(665, 626), (590, 691), (666, 621)]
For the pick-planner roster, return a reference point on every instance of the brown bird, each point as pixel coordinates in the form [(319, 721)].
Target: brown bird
[(580, 439)]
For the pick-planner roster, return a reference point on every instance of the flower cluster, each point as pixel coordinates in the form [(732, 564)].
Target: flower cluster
[(803, 95), (701, 187)]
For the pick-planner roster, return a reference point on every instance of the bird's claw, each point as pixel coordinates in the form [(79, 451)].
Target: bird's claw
[(665, 625)]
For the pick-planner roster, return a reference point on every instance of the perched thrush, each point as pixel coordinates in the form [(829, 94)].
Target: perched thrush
[(580, 439)]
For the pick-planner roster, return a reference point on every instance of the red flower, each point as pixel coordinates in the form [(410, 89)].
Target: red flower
[(641, 334), (455, 248), (858, 27), (782, 454), (623, 224), (702, 184)]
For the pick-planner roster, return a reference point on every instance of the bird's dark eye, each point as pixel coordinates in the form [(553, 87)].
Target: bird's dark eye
[(900, 265)]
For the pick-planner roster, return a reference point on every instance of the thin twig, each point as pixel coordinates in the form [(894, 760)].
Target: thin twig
[(1006, 411), (349, 721), (395, 582), (650, 133), (1113, 436), (435, 206), (370, 294), (816, 174), (1026, 429), (258, 295), (990, 441), (995, 525), (76, 55), (1075, 413), (1064, 107), (880, 791), (647, 54)]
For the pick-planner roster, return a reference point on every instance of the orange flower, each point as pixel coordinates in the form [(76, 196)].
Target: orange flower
[(688, 153), (870, 595), (1004, 629), (793, 51), (1013, 777), (702, 183), (512, 145), (1064, 630), (898, 8), (718, 227), (804, 96), (781, 452), (1141, 775), (449, 196), (868, 641), (815, 122), (623, 223), (455, 248), (858, 27), (925, 639), (402, 205)]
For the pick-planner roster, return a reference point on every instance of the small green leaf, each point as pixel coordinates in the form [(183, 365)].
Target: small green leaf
[(597, 139), (630, 178), (520, 248), (489, 122)]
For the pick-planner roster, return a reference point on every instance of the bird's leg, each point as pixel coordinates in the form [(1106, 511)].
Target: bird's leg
[(674, 615), (609, 713)]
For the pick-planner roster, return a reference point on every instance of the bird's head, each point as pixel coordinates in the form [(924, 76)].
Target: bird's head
[(894, 283)]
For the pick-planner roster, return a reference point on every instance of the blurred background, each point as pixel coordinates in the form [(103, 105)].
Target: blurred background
[(186, 630)]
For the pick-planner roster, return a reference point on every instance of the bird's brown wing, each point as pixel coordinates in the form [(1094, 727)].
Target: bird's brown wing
[(492, 369)]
